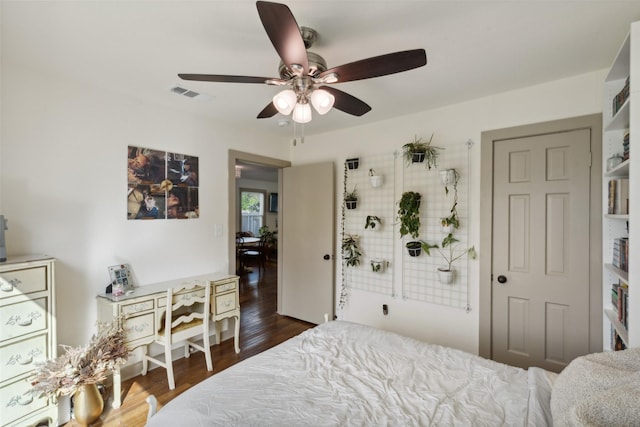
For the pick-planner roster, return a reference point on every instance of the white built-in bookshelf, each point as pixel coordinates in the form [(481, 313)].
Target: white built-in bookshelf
[(621, 117)]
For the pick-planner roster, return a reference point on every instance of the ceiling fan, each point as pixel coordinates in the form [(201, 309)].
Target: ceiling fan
[(305, 74)]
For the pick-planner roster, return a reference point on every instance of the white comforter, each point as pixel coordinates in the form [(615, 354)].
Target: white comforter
[(345, 374)]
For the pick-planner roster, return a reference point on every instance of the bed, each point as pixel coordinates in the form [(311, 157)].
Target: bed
[(342, 374)]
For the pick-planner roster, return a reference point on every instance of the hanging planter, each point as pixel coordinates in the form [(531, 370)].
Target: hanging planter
[(414, 248), (417, 157), (446, 228), (446, 277), (351, 198), (376, 180), (378, 265), (353, 163), (420, 151), (372, 222), (449, 177)]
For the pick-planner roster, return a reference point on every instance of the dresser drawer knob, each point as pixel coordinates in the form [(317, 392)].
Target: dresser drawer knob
[(26, 361), (25, 322), (8, 285), (25, 399)]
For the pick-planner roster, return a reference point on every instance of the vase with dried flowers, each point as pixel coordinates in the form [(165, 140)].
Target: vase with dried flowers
[(80, 369)]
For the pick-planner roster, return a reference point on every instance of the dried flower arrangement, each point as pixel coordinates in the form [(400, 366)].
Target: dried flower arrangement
[(82, 365)]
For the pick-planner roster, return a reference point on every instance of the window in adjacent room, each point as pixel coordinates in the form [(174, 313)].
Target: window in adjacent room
[(252, 210)]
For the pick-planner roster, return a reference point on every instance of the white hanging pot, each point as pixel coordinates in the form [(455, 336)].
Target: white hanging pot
[(447, 229), (445, 276), (378, 265), (376, 180), (448, 177)]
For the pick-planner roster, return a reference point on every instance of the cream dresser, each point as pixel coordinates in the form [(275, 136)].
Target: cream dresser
[(144, 306), (27, 336)]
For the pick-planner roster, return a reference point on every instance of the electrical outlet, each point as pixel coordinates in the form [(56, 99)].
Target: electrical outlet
[(385, 309)]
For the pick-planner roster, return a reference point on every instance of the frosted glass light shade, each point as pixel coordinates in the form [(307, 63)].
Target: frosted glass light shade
[(285, 101), (322, 101), (302, 113)]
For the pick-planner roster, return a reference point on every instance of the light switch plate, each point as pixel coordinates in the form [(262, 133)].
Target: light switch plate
[(218, 230)]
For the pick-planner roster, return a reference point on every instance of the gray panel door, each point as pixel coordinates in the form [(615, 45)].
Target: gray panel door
[(307, 233), (541, 249)]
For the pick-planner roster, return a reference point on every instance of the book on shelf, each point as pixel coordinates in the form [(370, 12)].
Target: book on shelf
[(616, 341), (620, 98), (611, 204), (622, 196), (620, 253), (625, 146), (620, 301), (618, 201)]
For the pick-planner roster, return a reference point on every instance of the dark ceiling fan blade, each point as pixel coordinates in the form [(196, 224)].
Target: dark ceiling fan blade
[(284, 33), (379, 65), (268, 111), (347, 103), (224, 79)]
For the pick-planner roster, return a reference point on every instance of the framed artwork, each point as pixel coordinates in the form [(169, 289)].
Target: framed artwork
[(161, 185), (120, 278), (273, 202)]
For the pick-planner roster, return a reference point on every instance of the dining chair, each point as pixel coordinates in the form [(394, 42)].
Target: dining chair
[(256, 251), (186, 317)]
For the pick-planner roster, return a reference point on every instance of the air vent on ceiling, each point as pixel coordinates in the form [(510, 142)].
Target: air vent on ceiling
[(190, 93)]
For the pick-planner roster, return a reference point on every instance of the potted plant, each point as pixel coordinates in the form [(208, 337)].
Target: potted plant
[(449, 177), (448, 224), (414, 248), (409, 214), (451, 253), (372, 221), (79, 370), (378, 265), (353, 163), (419, 151), (351, 250), (351, 198), (376, 180)]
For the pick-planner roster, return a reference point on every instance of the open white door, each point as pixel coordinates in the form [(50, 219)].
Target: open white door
[(307, 242)]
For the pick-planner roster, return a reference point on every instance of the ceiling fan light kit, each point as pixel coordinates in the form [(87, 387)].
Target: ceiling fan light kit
[(304, 72)]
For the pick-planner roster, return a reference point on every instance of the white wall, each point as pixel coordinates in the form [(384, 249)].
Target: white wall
[(454, 124), (63, 151)]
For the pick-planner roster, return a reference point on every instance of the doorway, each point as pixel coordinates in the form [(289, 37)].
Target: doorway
[(521, 321)]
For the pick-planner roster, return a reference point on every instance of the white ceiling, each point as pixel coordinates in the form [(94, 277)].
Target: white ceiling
[(474, 48)]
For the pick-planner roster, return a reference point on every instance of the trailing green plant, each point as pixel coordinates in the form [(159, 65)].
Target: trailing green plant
[(351, 196), (350, 250), (371, 221), (450, 251), (409, 214), (452, 219), (418, 145)]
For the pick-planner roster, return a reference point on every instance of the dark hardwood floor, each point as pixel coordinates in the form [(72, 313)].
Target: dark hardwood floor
[(260, 328)]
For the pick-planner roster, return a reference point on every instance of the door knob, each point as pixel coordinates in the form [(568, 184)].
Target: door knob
[(326, 257), (502, 279)]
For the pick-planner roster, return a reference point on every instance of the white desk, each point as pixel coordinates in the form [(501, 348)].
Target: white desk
[(143, 309)]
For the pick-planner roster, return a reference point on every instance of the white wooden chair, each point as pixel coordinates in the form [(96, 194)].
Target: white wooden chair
[(186, 317)]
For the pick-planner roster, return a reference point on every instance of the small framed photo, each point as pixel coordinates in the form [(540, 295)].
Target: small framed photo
[(121, 280)]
